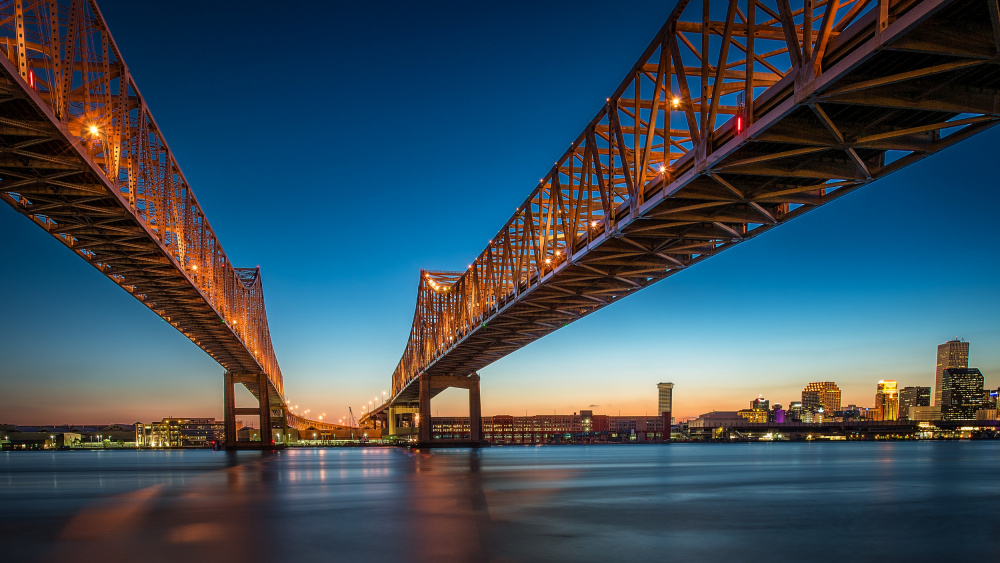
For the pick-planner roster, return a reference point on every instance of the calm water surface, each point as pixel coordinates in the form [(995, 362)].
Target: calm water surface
[(918, 501)]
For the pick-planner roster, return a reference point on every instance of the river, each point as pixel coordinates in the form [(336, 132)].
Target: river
[(860, 501)]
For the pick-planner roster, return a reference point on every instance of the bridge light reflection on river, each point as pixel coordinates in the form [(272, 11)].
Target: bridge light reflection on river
[(510, 503)]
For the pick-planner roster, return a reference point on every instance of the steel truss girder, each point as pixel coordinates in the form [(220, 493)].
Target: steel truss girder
[(703, 146), (82, 157)]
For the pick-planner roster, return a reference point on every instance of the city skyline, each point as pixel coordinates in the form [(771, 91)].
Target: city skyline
[(851, 305)]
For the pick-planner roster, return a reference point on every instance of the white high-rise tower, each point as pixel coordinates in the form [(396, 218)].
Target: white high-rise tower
[(666, 397)]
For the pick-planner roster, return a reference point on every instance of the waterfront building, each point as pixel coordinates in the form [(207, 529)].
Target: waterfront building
[(794, 411), (821, 394), (759, 411), (753, 415), (951, 354), (854, 413), (704, 426), (777, 413), (546, 428), (64, 436), (180, 433), (962, 393), (987, 414), (760, 404), (41, 438), (666, 399), (913, 397), (924, 414), (886, 400)]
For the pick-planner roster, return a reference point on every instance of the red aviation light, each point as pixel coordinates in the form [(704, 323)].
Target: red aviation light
[(739, 123)]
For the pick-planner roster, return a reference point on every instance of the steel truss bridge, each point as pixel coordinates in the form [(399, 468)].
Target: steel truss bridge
[(82, 157), (739, 116)]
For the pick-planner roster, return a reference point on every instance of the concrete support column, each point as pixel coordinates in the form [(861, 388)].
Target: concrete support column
[(391, 415), (263, 386), (425, 409), (284, 423), (475, 410), (229, 410)]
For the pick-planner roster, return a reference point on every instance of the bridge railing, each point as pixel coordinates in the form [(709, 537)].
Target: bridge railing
[(65, 54), (701, 81)]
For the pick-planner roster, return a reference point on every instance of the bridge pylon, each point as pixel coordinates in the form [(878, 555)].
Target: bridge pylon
[(258, 384), (431, 385)]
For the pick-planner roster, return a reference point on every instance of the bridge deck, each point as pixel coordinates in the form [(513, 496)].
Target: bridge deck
[(887, 89), (82, 157)]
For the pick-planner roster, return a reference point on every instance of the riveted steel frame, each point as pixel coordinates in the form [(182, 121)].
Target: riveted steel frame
[(83, 158), (723, 129)]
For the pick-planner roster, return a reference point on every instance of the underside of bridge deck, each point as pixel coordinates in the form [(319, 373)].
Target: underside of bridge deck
[(694, 154)]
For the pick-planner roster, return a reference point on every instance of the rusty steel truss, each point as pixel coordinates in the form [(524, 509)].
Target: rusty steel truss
[(82, 157), (739, 116)]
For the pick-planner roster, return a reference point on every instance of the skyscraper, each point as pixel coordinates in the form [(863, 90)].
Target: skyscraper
[(962, 394), (913, 397), (666, 397), (795, 411), (886, 401), (823, 394), (951, 354)]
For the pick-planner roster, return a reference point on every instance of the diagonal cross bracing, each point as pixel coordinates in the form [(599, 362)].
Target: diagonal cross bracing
[(82, 157), (722, 130)]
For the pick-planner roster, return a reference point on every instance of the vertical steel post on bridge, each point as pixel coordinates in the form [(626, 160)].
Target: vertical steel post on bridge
[(429, 384)]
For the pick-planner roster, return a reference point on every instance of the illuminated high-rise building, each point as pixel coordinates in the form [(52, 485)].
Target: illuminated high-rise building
[(886, 400), (760, 404), (777, 413), (913, 397), (821, 394), (951, 354), (962, 394), (759, 411), (666, 402)]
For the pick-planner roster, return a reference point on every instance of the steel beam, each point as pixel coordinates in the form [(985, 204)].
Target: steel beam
[(831, 88)]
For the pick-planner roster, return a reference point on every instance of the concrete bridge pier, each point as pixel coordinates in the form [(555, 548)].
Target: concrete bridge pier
[(432, 385), (256, 381), (396, 415)]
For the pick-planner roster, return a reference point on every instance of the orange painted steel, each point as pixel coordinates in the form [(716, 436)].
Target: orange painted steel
[(702, 147), (83, 158)]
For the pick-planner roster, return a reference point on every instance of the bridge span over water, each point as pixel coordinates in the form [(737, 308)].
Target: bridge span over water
[(739, 116), (82, 157)]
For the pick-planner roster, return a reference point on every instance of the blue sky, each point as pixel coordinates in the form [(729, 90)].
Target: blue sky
[(343, 148)]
